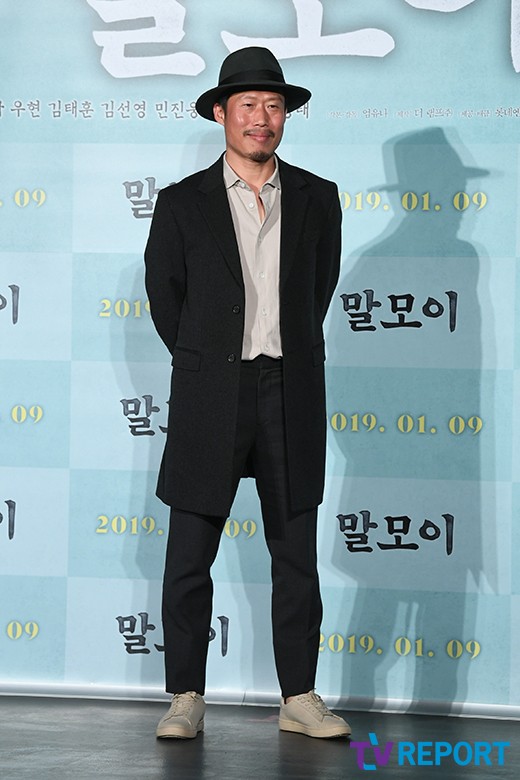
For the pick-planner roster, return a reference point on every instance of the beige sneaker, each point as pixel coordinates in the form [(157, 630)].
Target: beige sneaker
[(307, 714), (185, 718)]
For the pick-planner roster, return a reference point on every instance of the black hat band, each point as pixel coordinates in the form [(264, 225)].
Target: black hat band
[(253, 76)]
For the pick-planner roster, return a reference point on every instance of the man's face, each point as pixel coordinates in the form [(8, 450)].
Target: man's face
[(253, 122)]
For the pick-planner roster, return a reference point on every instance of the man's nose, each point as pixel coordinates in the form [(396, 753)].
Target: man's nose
[(261, 116)]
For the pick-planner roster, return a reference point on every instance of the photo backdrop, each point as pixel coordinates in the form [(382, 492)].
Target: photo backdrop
[(416, 115)]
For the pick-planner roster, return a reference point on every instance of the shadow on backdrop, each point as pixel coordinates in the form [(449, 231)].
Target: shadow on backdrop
[(420, 278)]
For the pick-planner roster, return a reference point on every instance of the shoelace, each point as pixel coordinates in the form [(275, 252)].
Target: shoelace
[(315, 702), (181, 704)]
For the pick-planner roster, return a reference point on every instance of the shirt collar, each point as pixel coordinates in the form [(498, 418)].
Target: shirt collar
[(231, 179)]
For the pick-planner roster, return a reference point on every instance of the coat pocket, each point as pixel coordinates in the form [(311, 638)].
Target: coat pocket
[(187, 359)]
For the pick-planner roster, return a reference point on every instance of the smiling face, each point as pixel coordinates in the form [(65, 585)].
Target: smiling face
[(253, 122)]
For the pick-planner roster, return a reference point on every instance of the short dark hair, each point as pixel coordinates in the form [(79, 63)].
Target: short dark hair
[(223, 102)]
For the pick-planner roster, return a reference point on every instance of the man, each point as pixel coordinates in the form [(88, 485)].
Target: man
[(241, 263)]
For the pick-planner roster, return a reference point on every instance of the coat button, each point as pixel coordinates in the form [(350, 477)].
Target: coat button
[(236, 309), (231, 358)]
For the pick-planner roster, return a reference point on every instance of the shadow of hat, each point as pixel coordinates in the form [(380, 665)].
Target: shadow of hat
[(251, 68), (419, 156)]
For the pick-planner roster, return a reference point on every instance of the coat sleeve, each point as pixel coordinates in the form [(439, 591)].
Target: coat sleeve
[(165, 276), (329, 255)]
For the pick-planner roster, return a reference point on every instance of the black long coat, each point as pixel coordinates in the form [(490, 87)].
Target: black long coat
[(196, 292)]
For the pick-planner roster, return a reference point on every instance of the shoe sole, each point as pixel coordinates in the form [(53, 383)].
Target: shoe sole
[(309, 731), (179, 732)]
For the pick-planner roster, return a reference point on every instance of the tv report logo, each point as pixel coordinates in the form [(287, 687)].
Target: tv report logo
[(370, 755)]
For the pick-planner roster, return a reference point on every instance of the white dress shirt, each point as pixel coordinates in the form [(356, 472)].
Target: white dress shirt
[(259, 248)]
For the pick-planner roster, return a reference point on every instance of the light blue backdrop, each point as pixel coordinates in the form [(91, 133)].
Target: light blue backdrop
[(423, 369)]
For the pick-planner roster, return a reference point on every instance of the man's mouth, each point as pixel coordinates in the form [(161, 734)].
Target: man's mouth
[(260, 135)]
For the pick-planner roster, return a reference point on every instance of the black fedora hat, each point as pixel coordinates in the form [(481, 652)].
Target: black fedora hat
[(251, 68)]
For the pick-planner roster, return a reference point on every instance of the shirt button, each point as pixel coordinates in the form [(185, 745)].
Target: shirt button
[(231, 358), (267, 347), (236, 309), (261, 274), (251, 205), (264, 312)]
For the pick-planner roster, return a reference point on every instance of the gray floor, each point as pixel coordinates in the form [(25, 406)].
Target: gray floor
[(44, 738)]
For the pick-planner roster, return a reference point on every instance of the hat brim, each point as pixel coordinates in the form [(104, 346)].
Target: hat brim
[(294, 96), (468, 173)]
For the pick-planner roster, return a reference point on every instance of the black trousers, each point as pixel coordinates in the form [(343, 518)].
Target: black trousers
[(291, 539)]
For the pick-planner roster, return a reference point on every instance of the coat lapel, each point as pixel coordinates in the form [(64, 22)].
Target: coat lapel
[(294, 209), (215, 209), (214, 206)]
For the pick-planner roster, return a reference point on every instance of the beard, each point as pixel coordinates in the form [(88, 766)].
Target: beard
[(260, 157)]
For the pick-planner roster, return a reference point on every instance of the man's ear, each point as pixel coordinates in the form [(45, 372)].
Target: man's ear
[(219, 113)]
